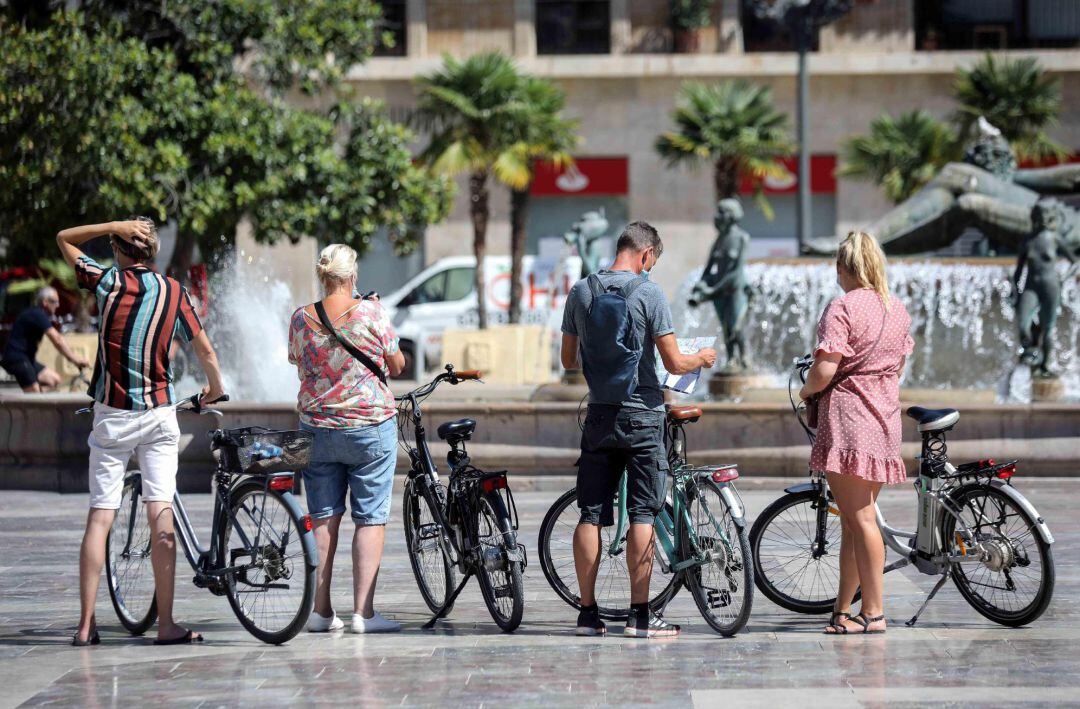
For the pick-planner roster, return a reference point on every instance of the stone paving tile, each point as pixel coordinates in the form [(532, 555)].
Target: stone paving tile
[(953, 657)]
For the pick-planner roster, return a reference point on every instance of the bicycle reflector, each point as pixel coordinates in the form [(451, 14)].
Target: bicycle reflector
[(281, 483), (1007, 472), (725, 475), (494, 483), (305, 522)]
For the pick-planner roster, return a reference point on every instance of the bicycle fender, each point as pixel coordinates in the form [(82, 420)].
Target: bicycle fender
[(1022, 502), (801, 487), (731, 499)]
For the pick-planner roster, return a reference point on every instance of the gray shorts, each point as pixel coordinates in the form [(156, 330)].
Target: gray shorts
[(617, 439)]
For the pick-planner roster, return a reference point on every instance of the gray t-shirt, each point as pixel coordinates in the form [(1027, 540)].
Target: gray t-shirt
[(652, 319)]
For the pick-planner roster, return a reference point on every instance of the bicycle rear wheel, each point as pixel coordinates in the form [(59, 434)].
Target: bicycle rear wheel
[(273, 590), (723, 589), (425, 539), (499, 575), (612, 588), (128, 570)]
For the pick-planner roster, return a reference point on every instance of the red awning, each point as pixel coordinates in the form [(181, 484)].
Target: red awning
[(587, 176), (822, 177)]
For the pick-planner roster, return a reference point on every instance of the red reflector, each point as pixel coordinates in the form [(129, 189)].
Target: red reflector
[(305, 522), (281, 483), (492, 484), (726, 475), (986, 463), (1007, 472)]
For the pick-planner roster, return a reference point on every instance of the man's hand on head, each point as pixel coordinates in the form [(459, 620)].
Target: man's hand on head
[(133, 231)]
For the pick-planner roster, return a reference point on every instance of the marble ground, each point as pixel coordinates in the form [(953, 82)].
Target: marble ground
[(953, 657)]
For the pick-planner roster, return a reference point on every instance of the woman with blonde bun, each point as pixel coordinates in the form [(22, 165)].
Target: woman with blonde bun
[(343, 349), (862, 344)]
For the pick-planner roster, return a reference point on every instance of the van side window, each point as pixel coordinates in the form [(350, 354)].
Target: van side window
[(460, 283), (449, 285)]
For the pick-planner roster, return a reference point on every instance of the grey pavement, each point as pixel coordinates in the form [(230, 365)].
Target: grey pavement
[(953, 657)]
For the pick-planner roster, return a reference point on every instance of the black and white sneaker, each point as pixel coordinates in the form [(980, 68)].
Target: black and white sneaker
[(646, 624), (589, 623)]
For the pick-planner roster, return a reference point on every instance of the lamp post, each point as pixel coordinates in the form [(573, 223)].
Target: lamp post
[(802, 18)]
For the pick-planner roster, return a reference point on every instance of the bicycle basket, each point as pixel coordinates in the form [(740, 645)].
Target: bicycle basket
[(260, 451)]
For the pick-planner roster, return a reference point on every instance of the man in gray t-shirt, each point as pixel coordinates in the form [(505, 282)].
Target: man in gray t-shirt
[(625, 435)]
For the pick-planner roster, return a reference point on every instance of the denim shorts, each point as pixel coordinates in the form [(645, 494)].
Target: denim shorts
[(360, 460), (616, 439)]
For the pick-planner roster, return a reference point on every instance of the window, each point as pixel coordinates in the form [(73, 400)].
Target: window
[(445, 286), (764, 35), (573, 26), (996, 24), (393, 24)]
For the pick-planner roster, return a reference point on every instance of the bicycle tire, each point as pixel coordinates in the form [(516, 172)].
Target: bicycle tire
[(134, 603), (435, 586), (508, 619), (565, 588), (275, 562), (964, 581), (764, 576), (738, 573)]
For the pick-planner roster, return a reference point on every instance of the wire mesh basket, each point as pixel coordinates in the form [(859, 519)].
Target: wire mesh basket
[(260, 451)]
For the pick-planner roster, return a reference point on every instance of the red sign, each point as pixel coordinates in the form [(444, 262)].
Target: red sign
[(587, 176), (822, 179)]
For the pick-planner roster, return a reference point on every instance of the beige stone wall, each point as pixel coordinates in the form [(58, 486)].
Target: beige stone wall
[(877, 26), (464, 27)]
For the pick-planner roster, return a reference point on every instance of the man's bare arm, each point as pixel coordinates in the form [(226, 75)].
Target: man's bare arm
[(678, 363), (62, 347), (569, 353), (208, 359), (69, 240)]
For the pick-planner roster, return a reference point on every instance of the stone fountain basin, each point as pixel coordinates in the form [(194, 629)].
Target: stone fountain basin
[(43, 443)]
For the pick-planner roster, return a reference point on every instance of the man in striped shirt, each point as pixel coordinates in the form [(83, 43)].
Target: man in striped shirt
[(139, 314)]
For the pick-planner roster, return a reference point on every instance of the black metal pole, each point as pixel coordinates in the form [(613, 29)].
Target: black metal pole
[(803, 233)]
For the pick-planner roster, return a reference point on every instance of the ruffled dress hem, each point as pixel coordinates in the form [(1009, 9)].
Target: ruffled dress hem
[(846, 461)]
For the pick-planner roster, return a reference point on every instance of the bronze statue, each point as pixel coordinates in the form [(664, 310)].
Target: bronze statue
[(724, 282), (584, 234), (1038, 303)]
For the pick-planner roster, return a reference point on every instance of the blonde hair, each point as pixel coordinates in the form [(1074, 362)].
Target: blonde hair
[(861, 256), (150, 244), (336, 266)]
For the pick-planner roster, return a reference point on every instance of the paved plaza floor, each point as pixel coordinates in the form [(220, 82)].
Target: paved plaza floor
[(953, 657)]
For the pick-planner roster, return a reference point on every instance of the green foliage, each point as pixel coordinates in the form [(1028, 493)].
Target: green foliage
[(175, 110), (691, 14), (734, 126), (901, 154), (1018, 98)]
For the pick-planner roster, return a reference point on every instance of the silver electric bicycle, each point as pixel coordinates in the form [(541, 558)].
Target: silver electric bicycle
[(972, 526)]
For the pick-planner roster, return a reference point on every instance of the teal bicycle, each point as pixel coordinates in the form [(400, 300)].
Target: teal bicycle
[(701, 535)]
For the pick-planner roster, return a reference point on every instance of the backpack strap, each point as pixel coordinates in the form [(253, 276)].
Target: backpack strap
[(595, 286), (630, 286), (349, 347)]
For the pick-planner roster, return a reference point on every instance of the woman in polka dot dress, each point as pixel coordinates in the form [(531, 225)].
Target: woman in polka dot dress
[(862, 342)]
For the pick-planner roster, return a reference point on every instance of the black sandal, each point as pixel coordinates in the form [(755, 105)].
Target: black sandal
[(92, 639), (186, 639), (864, 621), (838, 627)]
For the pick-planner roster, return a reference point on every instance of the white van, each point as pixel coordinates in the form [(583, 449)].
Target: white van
[(443, 296)]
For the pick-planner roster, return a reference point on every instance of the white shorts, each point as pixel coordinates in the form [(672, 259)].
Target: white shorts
[(153, 436)]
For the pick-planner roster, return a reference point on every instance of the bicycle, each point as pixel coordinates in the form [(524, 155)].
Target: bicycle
[(76, 383), (972, 526), (468, 526), (261, 554), (701, 539)]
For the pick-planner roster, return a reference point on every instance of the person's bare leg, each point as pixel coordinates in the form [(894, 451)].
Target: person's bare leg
[(326, 539), (639, 557), (91, 561), (849, 569), (587, 560), (367, 551), (163, 558), (48, 379), (34, 388), (856, 498)]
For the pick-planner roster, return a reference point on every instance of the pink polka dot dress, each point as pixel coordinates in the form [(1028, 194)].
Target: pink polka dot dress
[(859, 418)]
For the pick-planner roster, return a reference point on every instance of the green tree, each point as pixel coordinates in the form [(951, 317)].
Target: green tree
[(220, 142), (733, 126), (900, 154), (1018, 98), (472, 109)]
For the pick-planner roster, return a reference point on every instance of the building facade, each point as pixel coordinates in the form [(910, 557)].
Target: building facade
[(617, 62)]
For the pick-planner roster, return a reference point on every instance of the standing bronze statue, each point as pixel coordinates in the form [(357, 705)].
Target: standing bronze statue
[(584, 234), (724, 282)]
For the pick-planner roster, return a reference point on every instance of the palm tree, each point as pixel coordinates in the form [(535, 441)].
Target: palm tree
[(1018, 98), (471, 108), (900, 154), (544, 135), (733, 125)]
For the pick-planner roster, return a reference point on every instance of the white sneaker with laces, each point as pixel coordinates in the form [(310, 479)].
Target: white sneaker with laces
[(324, 624), (375, 624)]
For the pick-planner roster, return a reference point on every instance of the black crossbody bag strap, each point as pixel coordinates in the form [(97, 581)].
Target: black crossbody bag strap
[(363, 358)]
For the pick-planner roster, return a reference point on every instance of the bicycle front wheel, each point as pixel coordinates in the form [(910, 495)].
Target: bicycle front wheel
[(425, 539), (128, 570), (612, 587), (499, 574), (272, 588)]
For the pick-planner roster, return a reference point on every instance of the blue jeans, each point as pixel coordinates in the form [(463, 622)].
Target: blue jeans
[(358, 459)]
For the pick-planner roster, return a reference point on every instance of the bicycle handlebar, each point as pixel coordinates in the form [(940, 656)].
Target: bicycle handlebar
[(191, 403)]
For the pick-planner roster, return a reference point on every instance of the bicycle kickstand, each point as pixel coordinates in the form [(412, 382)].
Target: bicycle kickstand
[(449, 602), (933, 592)]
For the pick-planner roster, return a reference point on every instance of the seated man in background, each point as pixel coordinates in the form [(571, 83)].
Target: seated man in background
[(20, 353)]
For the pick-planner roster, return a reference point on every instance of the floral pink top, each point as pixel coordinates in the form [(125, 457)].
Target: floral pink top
[(859, 418), (336, 390)]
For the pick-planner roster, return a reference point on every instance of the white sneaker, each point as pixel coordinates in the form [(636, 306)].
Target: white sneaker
[(375, 624), (324, 624)]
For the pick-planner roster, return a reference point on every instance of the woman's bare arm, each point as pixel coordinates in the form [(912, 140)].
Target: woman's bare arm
[(820, 374)]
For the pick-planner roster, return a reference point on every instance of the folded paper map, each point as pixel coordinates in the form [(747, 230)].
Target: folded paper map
[(683, 383)]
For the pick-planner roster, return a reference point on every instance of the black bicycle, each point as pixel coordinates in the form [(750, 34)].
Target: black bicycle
[(468, 526), (261, 553)]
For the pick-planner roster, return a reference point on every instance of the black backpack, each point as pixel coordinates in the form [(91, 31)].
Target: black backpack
[(610, 351)]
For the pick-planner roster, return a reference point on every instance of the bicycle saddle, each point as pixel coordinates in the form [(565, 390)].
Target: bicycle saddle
[(933, 419), (688, 414), (457, 431)]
